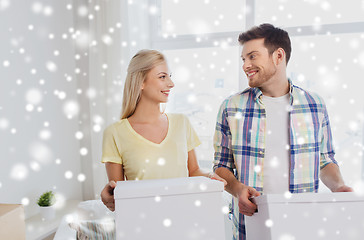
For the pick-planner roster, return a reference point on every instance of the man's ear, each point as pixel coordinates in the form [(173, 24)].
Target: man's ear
[(280, 56)]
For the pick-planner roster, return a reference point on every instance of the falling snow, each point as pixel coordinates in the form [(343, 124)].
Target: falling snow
[(269, 223), (54, 105)]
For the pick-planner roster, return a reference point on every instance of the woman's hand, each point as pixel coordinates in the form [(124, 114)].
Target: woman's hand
[(107, 195), (214, 176)]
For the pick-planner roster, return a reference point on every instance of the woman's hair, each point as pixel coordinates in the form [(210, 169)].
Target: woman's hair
[(138, 69)]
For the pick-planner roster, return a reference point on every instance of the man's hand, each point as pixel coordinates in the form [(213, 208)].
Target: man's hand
[(246, 206), (330, 175), (242, 192), (107, 195)]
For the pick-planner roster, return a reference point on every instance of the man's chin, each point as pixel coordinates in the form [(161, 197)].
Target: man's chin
[(256, 83), (252, 84)]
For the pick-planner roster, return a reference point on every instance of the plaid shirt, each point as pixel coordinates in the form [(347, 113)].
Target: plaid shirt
[(239, 142)]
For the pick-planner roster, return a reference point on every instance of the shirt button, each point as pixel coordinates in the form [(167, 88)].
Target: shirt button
[(260, 152)]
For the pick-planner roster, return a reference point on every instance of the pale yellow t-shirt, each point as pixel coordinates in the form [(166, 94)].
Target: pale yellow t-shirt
[(143, 159)]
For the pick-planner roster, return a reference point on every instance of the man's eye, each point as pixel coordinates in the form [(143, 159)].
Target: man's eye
[(252, 56)]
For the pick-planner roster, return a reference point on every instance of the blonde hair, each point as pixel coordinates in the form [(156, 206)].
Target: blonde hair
[(138, 69)]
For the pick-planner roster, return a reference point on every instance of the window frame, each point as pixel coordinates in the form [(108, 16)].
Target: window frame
[(188, 41)]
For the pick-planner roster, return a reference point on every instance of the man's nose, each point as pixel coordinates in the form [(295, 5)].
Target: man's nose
[(246, 66)]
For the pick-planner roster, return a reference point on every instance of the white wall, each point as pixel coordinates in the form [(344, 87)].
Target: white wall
[(37, 156), (77, 53), (126, 24), (105, 62)]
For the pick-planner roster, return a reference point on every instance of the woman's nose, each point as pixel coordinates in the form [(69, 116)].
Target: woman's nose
[(170, 83)]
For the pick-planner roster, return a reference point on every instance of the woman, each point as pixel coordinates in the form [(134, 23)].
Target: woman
[(145, 143)]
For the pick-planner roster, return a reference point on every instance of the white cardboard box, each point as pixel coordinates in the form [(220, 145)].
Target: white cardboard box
[(12, 225), (329, 216), (165, 209)]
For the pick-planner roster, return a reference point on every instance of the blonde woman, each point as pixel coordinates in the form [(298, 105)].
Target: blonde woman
[(147, 143)]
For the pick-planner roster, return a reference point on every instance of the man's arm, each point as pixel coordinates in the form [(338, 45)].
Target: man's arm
[(224, 163), (242, 192), (330, 175)]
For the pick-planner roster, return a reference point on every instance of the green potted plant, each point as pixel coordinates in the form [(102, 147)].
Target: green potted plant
[(46, 202)]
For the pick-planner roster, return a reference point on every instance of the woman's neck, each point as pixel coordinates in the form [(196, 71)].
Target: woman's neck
[(146, 112)]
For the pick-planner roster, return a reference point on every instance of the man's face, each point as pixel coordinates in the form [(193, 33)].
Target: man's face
[(258, 64)]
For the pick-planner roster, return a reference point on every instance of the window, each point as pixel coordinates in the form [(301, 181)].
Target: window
[(203, 78), (204, 56), (331, 65), (308, 12), (201, 17), (199, 38), (198, 49)]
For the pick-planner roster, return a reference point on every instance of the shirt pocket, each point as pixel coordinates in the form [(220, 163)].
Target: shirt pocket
[(305, 130)]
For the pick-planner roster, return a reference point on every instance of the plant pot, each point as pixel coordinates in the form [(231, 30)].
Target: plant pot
[(47, 213)]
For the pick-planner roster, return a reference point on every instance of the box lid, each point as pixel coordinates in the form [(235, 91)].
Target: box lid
[(164, 187), (309, 198), (6, 208)]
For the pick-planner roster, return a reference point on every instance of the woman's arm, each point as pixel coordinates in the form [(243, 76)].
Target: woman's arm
[(115, 173), (194, 168)]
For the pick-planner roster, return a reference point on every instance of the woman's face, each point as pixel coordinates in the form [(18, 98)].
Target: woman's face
[(157, 84)]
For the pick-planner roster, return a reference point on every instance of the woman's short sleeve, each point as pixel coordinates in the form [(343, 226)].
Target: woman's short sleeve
[(110, 151), (192, 139)]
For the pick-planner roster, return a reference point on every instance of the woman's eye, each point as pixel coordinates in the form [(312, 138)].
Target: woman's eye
[(163, 77)]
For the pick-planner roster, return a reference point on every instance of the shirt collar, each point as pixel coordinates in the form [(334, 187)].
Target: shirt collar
[(258, 93)]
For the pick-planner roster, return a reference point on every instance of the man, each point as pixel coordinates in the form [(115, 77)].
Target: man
[(273, 137)]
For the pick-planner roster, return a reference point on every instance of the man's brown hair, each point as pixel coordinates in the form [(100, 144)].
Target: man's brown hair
[(274, 38)]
